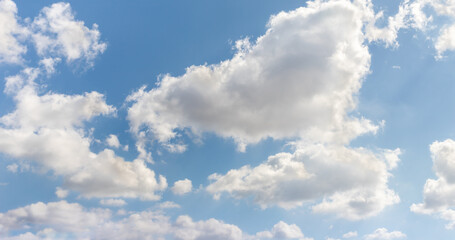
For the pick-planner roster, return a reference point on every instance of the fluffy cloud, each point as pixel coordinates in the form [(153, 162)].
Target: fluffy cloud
[(63, 220), (141, 225), (182, 187), (271, 88), (12, 168), (11, 49), (57, 33), (61, 193), (384, 234), (63, 216), (47, 129), (355, 181), (282, 230), (112, 141), (298, 80), (71, 220), (422, 18), (187, 229), (350, 235), (389, 33), (421, 15), (439, 194), (445, 41)]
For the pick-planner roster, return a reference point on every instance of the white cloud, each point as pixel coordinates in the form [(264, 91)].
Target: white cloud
[(352, 182), (445, 41), (282, 230), (16, 82), (389, 33), (47, 129), (61, 193), (439, 194), (57, 33), (299, 80), (417, 14), (187, 229), (45, 234), (350, 235), (422, 18), (63, 220), (182, 187), (113, 202), (384, 234), (62, 216), (54, 111), (141, 225), (168, 204), (72, 221), (12, 168), (11, 49), (112, 141)]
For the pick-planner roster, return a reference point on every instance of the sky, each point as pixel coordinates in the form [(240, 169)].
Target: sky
[(260, 119)]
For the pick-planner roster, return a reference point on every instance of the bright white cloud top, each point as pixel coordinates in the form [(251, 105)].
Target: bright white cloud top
[(296, 87), (298, 80)]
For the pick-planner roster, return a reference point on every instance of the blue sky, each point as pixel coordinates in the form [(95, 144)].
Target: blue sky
[(328, 119)]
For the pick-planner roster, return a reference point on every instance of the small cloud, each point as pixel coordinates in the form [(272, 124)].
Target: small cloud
[(112, 141), (168, 204), (113, 202), (12, 168), (384, 234), (61, 193), (396, 67), (121, 212), (350, 234), (182, 187)]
